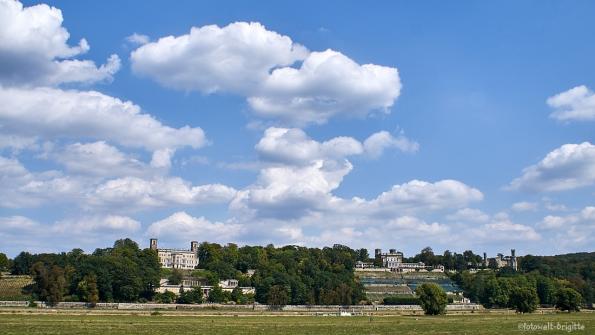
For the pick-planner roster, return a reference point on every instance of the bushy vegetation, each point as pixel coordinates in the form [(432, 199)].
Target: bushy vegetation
[(576, 271), (451, 260), (120, 274), (125, 273), (288, 275), (294, 275), (400, 300), (521, 291)]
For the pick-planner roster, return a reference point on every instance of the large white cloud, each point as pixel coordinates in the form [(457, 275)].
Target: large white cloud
[(476, 228), (182, 227), (22, 188), (34, 49), (571, 231), (327, 84), (568, 167), (291, 191), (132, 193), (419, 195), (576, 104), (249, 60), (302, 174), (97, 224), (502, 229), (56, 114), (91, 189), (88, 232), (234, 58), (469, 215), (98, 159), (17, 224), (401, 231), (294, 146)]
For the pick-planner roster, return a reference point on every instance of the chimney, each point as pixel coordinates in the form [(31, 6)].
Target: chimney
[(153, 244), (512, 251)]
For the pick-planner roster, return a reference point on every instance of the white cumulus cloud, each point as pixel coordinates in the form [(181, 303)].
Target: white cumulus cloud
[(182, 227), (568, 167), (576, 104), (249, 60), (97, 224), (233, 58), (56, 114), (327, 84), (97, 159), (35, 50), (132, 193), (294, 146)]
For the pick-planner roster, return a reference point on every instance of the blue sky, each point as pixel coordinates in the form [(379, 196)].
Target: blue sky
[(460, 126)]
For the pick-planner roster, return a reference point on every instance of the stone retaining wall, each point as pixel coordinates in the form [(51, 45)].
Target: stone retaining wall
[(255, 307)]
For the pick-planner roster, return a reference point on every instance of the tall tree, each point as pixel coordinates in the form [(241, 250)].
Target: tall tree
[(4, 262), (524, 299), (87, 289), (216, 295), (432, 298), (568, 299), (278, 296), (22, 263)]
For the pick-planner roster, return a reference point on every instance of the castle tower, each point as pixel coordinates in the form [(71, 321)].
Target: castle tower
[(153, 244), (194, 246)]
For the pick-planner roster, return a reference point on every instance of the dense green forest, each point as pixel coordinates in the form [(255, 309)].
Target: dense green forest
[(122, 273), (543, 279), (286, 275), (292, 275)]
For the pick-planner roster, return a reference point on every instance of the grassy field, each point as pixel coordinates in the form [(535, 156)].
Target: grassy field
[(179, 324)]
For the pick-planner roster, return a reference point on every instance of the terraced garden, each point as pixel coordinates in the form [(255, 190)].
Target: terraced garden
[(11, 287)]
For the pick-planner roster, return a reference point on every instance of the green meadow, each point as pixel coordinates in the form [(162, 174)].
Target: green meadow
[(66, 323)]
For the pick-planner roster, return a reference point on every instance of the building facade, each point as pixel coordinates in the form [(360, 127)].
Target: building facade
[(510, 261), (227, 285), (177, 258), (390, 260), (393, 260)]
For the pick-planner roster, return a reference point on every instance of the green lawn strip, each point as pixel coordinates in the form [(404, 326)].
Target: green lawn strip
[(13, 324)]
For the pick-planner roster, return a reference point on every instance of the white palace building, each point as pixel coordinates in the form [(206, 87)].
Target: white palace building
[(177, 258)]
